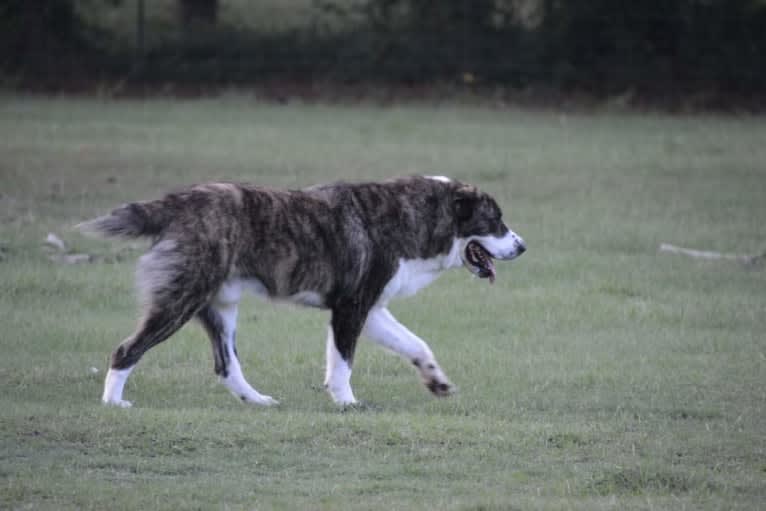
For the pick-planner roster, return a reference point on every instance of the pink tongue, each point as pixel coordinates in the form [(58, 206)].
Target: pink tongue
[(491, 272)]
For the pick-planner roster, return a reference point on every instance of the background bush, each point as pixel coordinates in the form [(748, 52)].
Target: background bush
[(654, 46)]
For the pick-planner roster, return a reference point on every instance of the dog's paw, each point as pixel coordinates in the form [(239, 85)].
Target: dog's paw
[(434, 378), (259, 400), (119, 403), (269, 401), (341, 394), (440, 388)]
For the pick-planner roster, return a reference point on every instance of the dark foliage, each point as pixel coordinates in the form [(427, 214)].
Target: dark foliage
[(692, 44), (599, 46), (198, 11), (38, 32)]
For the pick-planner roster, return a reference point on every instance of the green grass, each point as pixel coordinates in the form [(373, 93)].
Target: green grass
[(595, 374)]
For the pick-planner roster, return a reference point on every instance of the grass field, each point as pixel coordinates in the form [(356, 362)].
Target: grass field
[(595, 374)]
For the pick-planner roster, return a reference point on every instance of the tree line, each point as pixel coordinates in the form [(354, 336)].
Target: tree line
[(602, 46)]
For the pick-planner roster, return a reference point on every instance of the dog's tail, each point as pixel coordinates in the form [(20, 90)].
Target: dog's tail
[(133, 220)]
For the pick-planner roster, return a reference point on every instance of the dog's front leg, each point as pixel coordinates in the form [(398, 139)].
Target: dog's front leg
[(343, 332), (383, 328), (337, 379)]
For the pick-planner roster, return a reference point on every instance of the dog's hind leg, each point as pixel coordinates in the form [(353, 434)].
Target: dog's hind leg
[(158, 324), (220, 322), (172, 292), (383, 328)]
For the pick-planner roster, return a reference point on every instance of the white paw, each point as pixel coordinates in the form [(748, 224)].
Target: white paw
[(258, 399), (440, 388), (118, 402), (267, 401), (343, 398), (434, 378), (341, 395)]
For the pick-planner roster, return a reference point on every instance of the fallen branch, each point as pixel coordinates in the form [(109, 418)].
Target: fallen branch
[(61, 252), (55, 242), (706, 254)]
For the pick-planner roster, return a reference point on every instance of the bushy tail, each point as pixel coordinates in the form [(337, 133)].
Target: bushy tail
[(129, 221)]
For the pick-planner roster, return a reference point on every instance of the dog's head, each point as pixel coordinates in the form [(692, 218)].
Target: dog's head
[(482, 233)]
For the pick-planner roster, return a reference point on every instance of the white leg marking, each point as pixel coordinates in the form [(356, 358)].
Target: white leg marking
[(383, 328), (235, 381), (338, 374), (113, 385)]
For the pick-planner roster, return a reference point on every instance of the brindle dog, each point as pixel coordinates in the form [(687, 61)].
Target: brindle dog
[(348, 248)]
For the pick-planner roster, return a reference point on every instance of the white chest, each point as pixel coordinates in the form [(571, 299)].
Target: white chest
[(412, 275)]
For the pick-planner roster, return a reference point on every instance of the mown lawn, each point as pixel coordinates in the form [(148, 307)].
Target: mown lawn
[(596, 373)]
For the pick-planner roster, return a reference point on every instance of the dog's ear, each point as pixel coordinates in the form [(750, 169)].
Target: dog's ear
[(464, 203)]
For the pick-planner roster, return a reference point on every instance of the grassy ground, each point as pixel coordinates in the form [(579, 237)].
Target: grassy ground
[(595, 374)]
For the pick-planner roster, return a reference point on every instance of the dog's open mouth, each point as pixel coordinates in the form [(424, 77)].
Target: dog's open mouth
[(479, 261)]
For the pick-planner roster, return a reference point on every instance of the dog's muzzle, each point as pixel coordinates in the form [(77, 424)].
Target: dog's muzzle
[(479, 254)]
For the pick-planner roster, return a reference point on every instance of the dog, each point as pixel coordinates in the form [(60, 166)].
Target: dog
[(346, 247)]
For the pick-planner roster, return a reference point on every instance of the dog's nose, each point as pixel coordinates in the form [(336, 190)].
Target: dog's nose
[(521, 248)]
